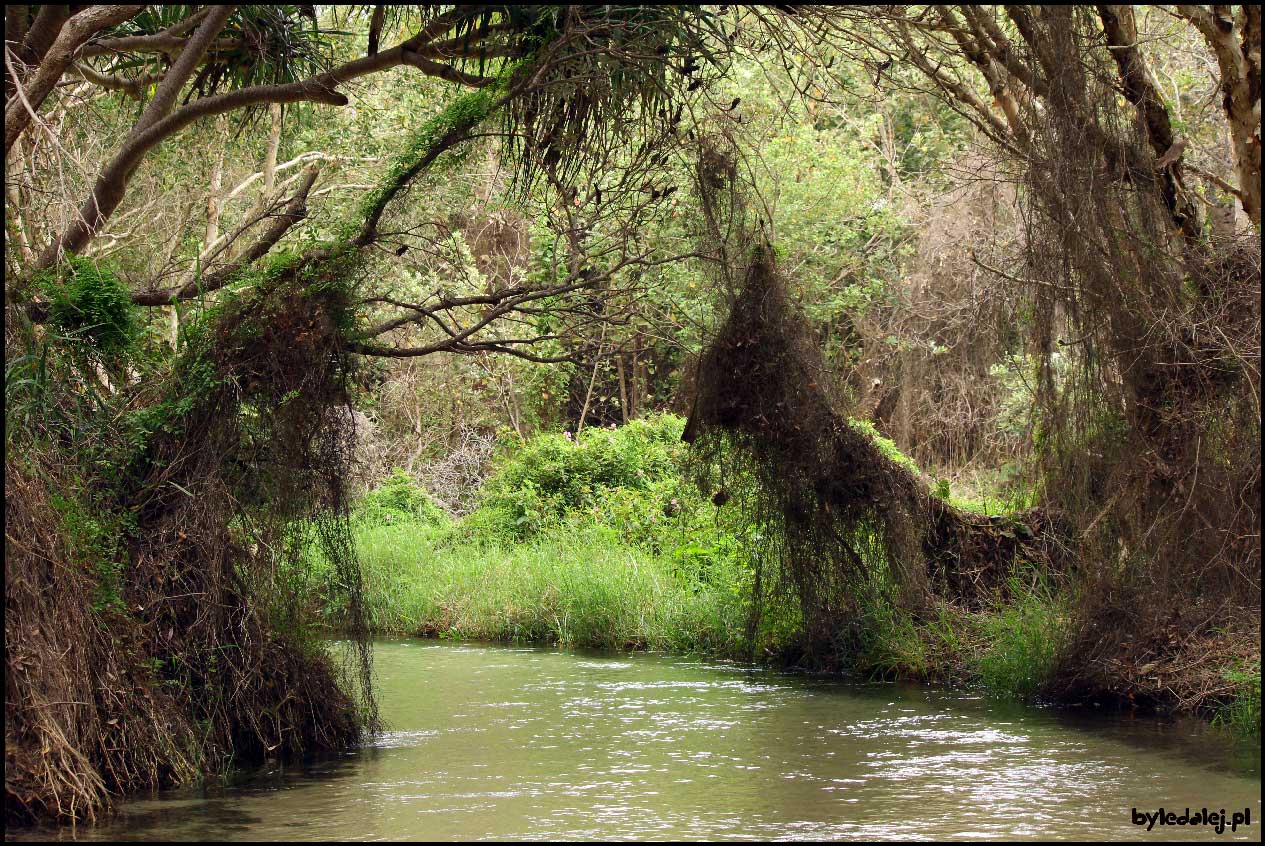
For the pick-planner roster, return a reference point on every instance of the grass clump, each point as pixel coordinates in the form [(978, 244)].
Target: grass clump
[(1243, 712), (1024, 637)]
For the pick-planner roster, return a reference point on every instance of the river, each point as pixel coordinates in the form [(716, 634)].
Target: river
[(489, 742)]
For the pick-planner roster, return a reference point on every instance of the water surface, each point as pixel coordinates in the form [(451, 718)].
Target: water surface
[(536, 744)]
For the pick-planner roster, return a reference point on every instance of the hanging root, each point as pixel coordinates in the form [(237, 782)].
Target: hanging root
[(230, 495), (839, 510), (153, 631)]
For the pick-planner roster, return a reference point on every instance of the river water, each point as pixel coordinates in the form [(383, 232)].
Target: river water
[(508, 743)]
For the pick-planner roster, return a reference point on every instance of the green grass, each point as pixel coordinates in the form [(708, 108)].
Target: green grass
[(1243, 713), (886, 446), (893, 643), (598, 540), (981, 499), (1024, 638), (582, 588)]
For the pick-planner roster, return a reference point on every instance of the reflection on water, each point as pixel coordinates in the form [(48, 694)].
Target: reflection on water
[(536, 744)]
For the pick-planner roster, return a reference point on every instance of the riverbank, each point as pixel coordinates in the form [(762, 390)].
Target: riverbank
[(594, 592), (601, 541)]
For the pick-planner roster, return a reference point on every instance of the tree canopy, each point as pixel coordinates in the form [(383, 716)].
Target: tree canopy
[(1019, 243)]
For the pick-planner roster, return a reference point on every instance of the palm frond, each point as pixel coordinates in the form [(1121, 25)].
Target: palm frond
[(608, 75)]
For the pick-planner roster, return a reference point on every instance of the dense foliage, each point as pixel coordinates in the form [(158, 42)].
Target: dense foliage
[(919, 341)]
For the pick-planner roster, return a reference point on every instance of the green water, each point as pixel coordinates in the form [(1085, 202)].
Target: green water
[(535, 744)]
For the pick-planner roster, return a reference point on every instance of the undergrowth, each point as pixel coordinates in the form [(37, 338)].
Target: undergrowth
[(595, 540), (1243, 712), (603, 539)]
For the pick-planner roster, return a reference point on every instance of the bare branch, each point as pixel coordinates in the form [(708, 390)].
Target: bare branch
[(32, 46), (459, 347), (134, 88), (72, 36), (111, 183), (295, 211), (1139, 87), (985, 118), (182, 70), (168, 41)]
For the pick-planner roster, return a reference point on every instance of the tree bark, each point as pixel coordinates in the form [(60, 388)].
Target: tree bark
[(26, 99), (1239, 60), (1141, 90)]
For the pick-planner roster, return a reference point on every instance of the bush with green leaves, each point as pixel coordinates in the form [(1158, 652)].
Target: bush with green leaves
[(555, 476), (629, 483), (399, 499), (89, 304)]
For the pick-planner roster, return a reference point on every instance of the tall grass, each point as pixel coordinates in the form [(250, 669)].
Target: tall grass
[(891, 642), (596, 540), (1024, 638), (1243, 713), (581, 587)]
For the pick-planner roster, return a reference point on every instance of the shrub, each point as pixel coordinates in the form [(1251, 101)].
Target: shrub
[(634, 469), (399, 499), (89, 303)]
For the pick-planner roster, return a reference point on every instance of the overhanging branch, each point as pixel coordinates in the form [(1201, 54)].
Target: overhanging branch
[(295, 211)]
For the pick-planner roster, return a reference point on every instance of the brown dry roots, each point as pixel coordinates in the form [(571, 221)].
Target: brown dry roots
[(839, 510), (202, 661)]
